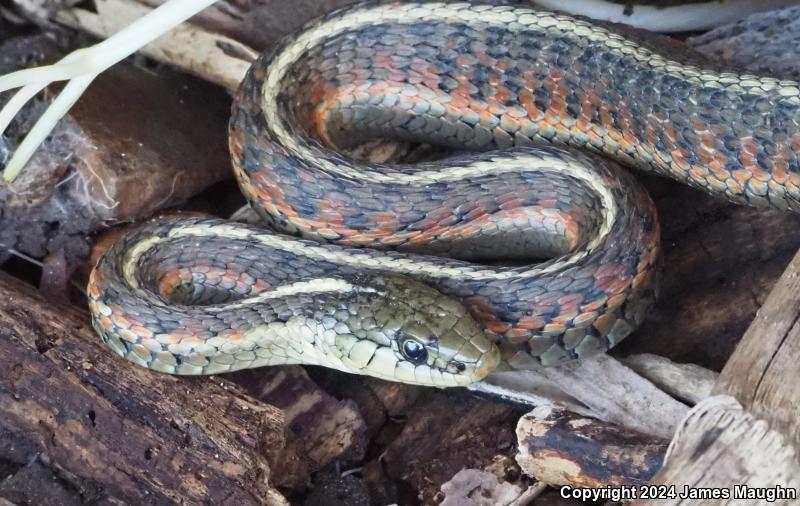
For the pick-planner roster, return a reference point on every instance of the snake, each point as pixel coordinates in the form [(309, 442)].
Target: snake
[(523, 243)]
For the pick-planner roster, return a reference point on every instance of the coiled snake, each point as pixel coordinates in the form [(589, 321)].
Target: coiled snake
[(193, 296)]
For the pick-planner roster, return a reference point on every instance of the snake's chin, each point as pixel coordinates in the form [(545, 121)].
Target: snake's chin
[(487, 363)]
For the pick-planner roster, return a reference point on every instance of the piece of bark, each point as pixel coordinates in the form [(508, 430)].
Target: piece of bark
[(558, 447), (140, 436), (165, 141), (345, 386), (687, 382), (763, 374), (34, 483), (326, 429), (600, 387), (721, 446), (397, 398), (473, 487), (444, 432), (428, 436), (137, 140), (506, 469)]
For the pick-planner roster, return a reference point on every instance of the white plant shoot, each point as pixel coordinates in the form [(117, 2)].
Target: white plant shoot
[(81, 67)]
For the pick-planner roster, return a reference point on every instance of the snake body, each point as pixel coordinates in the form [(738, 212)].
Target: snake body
[(497, 82)]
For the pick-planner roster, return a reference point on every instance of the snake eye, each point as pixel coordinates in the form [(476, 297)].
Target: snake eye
[(414, 351)]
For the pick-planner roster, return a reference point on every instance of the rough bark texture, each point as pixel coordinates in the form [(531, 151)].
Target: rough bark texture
[(321, 427), (119, 429), (721, 446)]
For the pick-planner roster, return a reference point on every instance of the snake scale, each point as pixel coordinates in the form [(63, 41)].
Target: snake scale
[(389, 270)]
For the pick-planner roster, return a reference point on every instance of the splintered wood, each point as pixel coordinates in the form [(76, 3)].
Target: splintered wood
[(742, 441), (763, 373)]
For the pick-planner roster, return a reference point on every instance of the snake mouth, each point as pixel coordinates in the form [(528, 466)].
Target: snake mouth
[(487, 363)]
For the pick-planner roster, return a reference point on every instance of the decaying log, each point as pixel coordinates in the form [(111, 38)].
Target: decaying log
[(139, 436), (136, 141), (324, 428), (445, 431), (750, 438), (561, 448)]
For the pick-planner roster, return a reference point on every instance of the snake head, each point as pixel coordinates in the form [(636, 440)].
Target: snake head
[(399, 329)]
